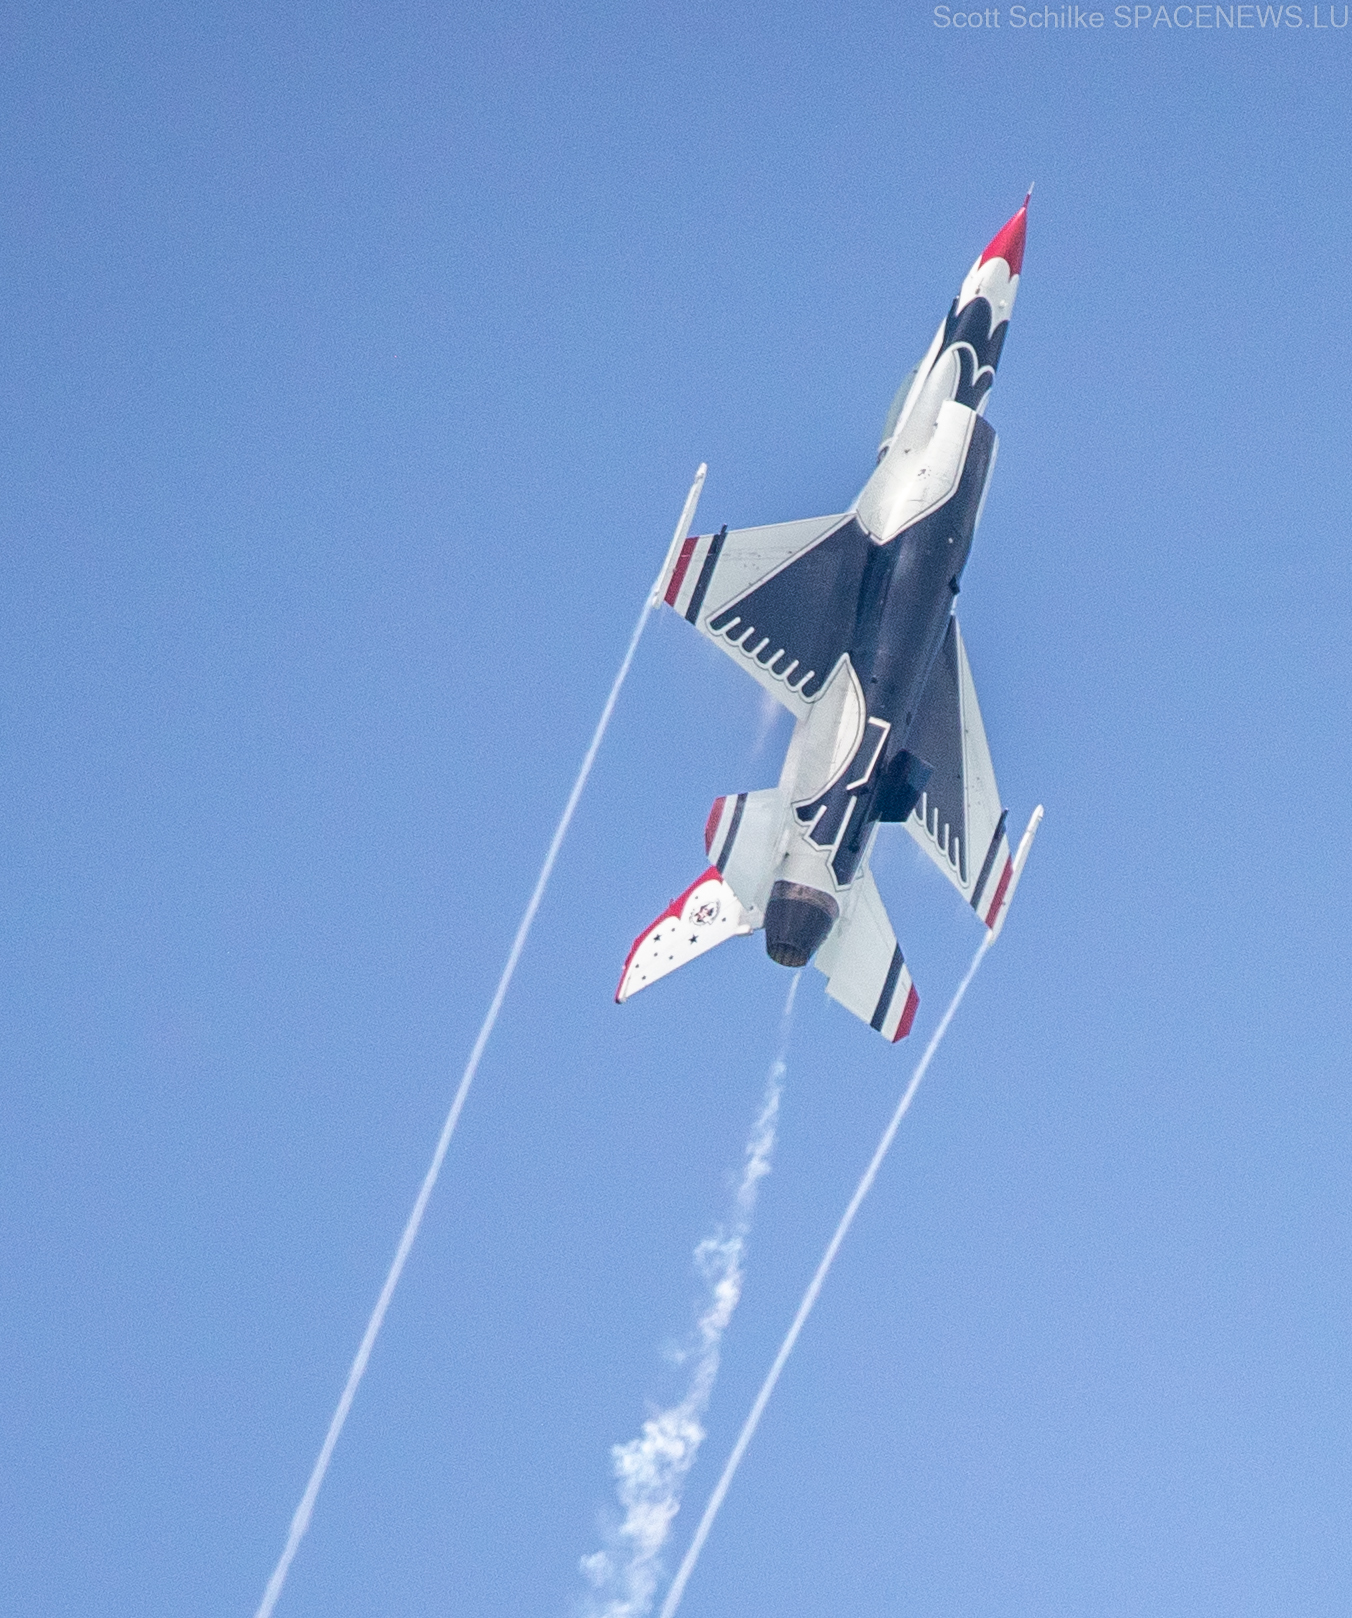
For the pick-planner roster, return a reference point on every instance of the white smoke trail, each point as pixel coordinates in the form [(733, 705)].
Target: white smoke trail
[(651, 1470), (768, 714), (301, 1521), (678, 1584)]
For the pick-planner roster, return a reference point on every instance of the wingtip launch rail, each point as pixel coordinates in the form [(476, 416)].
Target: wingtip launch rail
[(682, 529)]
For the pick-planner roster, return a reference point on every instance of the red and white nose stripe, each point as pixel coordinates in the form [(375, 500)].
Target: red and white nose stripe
[(1008, 241)]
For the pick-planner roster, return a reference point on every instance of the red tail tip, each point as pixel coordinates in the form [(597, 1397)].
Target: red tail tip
[(1007, 242)]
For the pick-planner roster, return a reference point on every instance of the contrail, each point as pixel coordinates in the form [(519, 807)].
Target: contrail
[(651, 1469), (678, 1584), (301, 1521)]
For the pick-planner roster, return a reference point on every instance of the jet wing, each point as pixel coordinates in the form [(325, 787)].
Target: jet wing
[(959, 821), (779, 600)]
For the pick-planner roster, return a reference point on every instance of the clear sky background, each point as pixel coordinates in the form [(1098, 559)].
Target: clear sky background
[(354, 363)]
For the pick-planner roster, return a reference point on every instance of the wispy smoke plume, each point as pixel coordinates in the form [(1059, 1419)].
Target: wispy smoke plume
[(768, 716), (678, 1584), (650, 1470)]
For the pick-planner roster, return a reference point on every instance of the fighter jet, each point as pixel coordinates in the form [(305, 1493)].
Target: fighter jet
[(849, 622)]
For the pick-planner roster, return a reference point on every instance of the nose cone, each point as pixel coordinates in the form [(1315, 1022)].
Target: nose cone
[(1007, 243)]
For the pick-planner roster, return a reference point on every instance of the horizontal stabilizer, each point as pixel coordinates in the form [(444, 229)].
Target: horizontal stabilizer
[(704, 915), (866, 972)]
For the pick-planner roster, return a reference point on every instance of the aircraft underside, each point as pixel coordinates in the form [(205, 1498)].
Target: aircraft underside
[(848, 622)]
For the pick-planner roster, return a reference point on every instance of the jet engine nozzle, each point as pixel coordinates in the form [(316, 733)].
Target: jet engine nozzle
[(797, 920)]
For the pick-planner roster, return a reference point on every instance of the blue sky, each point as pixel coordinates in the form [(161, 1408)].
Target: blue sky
[(354, 362)]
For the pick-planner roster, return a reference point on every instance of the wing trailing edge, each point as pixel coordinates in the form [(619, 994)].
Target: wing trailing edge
[(770, 598), (959, 820)]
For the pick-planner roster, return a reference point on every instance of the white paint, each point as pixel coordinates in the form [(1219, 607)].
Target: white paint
[(682, 529), (831, 734), (1020, 860), (912, 482), (993, 282), (708, 915)]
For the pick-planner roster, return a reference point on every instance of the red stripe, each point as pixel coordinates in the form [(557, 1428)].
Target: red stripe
[(672, 912), (679, 571), (711, 824), (999, 898), (1009, 240), (907, 1016)]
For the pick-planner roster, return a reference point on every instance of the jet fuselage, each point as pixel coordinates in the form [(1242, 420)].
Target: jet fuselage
[(848, 621)]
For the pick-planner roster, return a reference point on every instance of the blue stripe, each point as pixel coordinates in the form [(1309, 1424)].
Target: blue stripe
[(990, 858), (731, 838), (889, 989), (706, 574)]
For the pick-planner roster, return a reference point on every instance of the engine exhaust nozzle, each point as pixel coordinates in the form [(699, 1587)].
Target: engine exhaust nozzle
[(797, 920)]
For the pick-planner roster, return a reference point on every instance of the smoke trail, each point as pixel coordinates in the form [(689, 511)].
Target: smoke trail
[(678, 1584), (768, 715), (650, 1470), (301, 1521)]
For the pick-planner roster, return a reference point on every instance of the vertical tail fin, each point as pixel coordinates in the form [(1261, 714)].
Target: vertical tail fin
[(694, 922)]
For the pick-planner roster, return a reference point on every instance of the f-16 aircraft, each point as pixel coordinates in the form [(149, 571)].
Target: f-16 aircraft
[(849, 622)]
